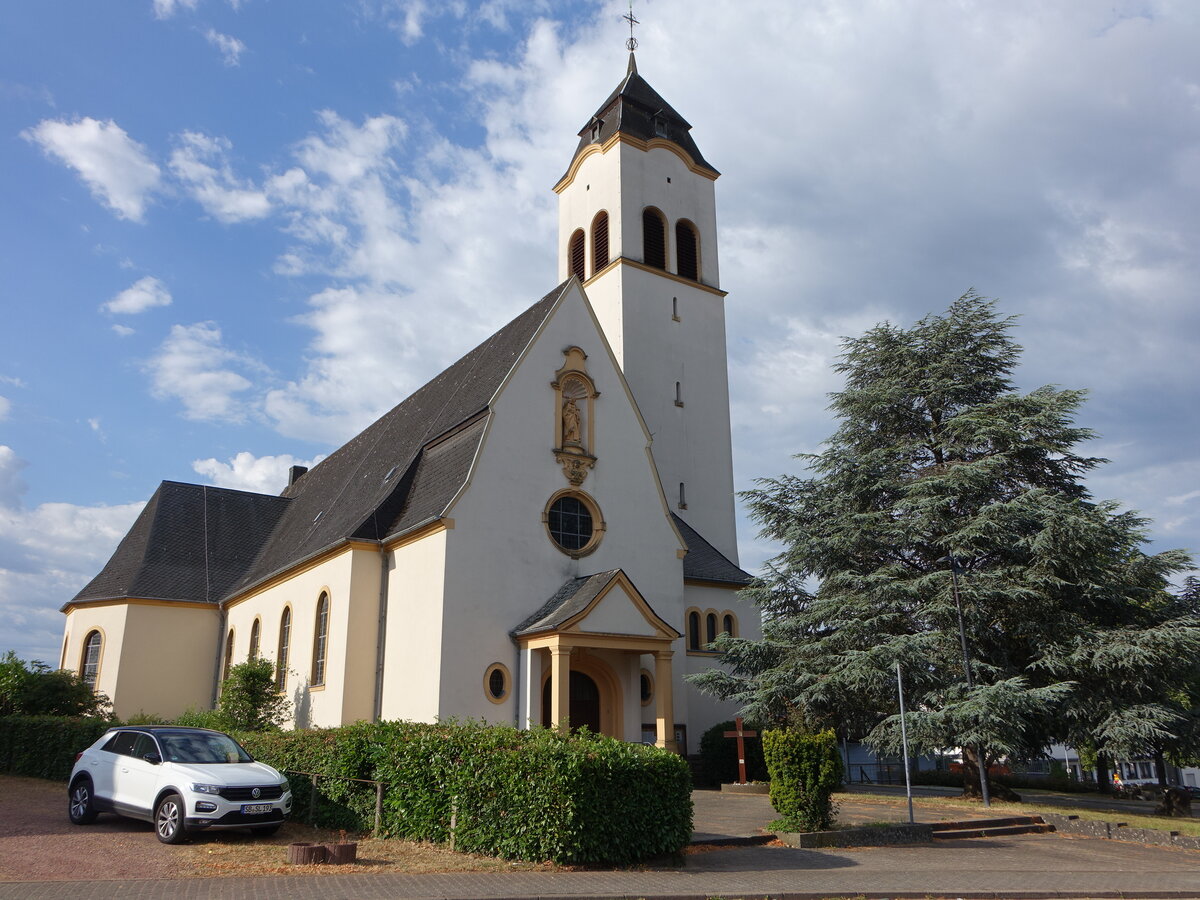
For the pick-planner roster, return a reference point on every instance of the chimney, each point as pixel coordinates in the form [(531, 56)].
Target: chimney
[(295, 473)]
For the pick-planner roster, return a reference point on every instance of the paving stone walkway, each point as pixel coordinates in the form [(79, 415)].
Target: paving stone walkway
[(1024, 866)]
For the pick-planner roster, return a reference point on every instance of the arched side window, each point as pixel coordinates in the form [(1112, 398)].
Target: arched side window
[(729, 624), (575, 254), (693, 630), (228, 655), (255, 637), (320, 640), (89, 663), (654, 238), (687, 250), (710, 628), (599, 242), (285, 646)]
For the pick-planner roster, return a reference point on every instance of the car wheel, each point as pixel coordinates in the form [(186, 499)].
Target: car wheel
[(79, 805), (266, 830), (168, 820)]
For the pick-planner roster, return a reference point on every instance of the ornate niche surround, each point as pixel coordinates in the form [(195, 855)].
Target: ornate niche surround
[(574, 417)]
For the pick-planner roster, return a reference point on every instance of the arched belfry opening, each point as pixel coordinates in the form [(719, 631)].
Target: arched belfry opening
[(654, 238)]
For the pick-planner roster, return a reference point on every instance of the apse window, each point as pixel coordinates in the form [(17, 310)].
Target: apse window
[(496, 682)]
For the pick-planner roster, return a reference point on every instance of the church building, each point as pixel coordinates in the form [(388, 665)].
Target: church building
[(544, 532)]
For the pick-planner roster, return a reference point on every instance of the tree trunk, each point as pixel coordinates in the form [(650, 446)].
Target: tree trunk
[(1103, 778), (1160, 769), (971, 787)]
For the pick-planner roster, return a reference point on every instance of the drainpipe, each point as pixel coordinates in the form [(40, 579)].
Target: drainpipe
[(381, 639)]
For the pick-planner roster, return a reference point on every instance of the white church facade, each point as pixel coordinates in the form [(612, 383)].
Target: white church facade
[(543, 532)]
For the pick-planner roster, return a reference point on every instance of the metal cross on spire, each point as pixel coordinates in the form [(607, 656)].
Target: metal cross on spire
[(632, 43)]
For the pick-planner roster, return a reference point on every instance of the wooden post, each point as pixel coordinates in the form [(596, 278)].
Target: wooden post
[(378, 807), (741, 734), (312, 800)]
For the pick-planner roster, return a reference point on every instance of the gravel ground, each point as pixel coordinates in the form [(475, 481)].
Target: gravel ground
[(39, 843)]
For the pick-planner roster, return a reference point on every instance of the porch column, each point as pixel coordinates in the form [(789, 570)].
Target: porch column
[(665, 707), (528, 688), (560, 684)]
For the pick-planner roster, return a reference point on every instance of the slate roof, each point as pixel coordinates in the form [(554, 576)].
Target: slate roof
[(569, 600), (704, 562), (194, 542), (190, 542), (631, 110)]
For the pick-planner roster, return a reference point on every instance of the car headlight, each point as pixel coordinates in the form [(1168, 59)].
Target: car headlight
[(207, 788), (285, 786)]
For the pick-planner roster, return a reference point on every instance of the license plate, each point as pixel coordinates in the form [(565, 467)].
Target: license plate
[(254, 809)]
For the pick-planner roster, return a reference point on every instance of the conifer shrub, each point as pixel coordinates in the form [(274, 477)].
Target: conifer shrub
[(719, 759), (533, 795), (45, 746), (805, 770)]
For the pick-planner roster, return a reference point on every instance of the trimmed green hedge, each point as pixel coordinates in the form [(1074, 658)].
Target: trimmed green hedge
[(1016, 781), (534, 795), (805, 769), (45, 746)]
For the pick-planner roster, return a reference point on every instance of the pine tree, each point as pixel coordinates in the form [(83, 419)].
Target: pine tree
[(941, 471)]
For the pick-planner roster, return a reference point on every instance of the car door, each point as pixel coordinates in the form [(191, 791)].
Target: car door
[(103, 764), (136, 779)]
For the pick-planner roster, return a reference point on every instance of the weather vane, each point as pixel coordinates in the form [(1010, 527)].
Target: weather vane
[(632, 20)]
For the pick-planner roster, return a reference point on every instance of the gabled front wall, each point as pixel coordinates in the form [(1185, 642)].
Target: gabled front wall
[(156, 657), (351, 579), (501, 564)]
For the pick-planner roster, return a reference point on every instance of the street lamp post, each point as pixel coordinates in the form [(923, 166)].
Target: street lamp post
[(962, 637)]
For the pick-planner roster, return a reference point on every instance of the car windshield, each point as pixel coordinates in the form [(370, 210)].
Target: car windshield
[(188, 747)]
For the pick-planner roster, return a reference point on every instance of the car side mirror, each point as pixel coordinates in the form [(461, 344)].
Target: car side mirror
[(152, 758)]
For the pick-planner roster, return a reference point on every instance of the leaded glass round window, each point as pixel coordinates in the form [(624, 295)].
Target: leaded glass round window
[(570, 523)]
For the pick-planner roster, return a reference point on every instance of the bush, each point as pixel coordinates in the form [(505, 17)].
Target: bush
[(719, 759), (805, 770), (250, 700), (535, 795), (34, 689), (45, 746), (943, 778)]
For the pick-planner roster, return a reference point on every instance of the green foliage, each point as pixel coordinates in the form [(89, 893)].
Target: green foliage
[(34, 689), (805, 770), (1071, 633), (719, 759), (1063, 783), (249, 698), (45, 746), (192, 717), (536, 795)]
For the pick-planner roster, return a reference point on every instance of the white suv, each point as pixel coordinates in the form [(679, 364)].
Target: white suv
[(179, 779)]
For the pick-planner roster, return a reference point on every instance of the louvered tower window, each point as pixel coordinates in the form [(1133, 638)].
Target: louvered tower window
[(654, 239), (599, 242), (575, 254), (687, 250)]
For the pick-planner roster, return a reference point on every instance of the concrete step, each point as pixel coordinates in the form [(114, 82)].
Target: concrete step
[(949, 831)]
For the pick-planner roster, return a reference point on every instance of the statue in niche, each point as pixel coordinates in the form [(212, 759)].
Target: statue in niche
[(572, 425)]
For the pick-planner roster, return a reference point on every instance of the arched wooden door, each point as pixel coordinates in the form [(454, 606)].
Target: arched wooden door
[(585, 703)]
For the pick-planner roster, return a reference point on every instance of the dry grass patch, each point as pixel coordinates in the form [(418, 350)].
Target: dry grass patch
[(234, 853)]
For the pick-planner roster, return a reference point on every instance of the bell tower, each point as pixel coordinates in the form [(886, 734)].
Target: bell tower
[(637, 225)]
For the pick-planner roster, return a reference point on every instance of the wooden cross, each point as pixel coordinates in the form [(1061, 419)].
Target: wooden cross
[(741, 734)]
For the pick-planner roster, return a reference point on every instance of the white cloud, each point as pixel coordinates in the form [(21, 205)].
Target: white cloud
[(46, 555), (123, 330), (114, 166), (201, 163), (230, 47), (145, 293), (5, 407), (164, 9), (194, 368), (247, 472)]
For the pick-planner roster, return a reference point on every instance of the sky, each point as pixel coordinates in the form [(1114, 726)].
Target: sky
[(236, 231)]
